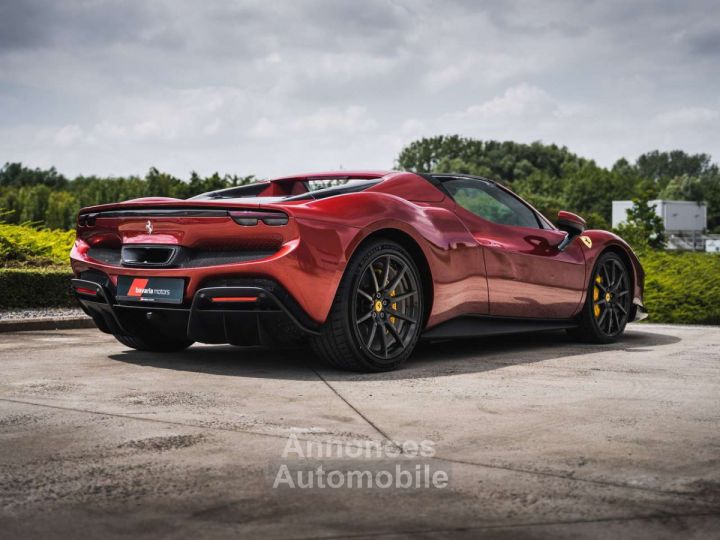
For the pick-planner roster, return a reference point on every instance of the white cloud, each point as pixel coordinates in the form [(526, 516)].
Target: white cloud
[(688, 116), (263, 128), (352, 119), (169, 115), (68, 135), (477, 69), (212, 128), (521, 100)]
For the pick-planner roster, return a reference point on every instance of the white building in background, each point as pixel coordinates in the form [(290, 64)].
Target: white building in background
[(676, 215), (684, 221)]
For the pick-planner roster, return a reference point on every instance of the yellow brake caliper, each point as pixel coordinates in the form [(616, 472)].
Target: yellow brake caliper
[(394, 306), (596, 297)]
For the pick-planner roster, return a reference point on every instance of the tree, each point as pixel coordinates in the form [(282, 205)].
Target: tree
[(505, 161), (33, 203), (61, 211), (458, 165), (159, 184), (661, 167), (15, 175), (643, 227)]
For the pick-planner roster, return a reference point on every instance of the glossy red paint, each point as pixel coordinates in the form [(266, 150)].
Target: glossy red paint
[(527, 275), (571, 218), (605, 240), (474, 266)]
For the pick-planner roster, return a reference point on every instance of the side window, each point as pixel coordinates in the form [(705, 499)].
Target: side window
[(490, 202)]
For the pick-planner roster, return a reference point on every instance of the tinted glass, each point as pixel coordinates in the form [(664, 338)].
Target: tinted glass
[(490, 202)]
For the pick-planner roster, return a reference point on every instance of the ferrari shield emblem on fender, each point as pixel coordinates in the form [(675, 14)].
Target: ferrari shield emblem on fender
[(586, 240)]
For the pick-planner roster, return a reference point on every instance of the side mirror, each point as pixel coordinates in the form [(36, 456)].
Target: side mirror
[(572, 224)]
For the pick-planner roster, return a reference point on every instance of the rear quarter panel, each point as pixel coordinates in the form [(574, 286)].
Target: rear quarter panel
[(454, 258)]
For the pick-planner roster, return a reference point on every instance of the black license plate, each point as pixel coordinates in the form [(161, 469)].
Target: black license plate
[(152, 289)]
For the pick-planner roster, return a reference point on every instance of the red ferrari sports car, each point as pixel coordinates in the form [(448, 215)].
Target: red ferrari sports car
[(361, 264)]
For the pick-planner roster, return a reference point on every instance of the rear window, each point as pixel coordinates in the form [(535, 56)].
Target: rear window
[(329, 187), (310, 188), (324, 183)]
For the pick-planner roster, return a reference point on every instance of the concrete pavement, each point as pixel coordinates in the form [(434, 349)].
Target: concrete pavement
[(540, 437)]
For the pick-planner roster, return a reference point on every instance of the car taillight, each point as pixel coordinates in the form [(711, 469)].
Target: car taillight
[(83, 290), (82, 247), (233, 299), (252, 217)]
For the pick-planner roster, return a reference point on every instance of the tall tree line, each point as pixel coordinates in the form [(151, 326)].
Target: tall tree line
[(45, 197), (550, 177), (553, 178)]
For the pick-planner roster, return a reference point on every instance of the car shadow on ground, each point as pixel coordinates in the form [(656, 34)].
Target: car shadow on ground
[(431, 359)]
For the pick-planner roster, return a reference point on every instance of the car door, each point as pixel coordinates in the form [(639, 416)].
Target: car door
[(527, 275)]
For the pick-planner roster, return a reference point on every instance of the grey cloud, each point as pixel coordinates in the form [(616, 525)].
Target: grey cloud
[(269, 87), (36, 23), (706, 42)]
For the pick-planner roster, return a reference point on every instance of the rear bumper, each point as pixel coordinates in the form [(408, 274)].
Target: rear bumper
[(265, 307), (308, 270)]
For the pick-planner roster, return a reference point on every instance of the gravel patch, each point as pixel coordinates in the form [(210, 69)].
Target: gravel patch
[(40, 313)]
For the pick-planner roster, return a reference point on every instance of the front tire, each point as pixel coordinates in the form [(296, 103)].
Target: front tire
[(605, 314), (153, 344), (377, 315)]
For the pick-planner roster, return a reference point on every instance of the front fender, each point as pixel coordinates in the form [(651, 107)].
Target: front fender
[(605, 240)]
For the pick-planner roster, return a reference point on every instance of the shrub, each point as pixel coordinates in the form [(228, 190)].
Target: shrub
[(643, 228), (682, 287), (26, 246), (35, 288)]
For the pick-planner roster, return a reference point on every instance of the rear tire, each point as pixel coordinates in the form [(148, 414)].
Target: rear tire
[(607, 307), (377, 315), (153, 344)]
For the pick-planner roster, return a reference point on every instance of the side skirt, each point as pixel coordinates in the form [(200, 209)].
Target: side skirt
[(478, 325)]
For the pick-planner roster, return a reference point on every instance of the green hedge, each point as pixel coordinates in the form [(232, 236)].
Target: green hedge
[(28, 246), (679, 287), (34, 287), (682, 287)]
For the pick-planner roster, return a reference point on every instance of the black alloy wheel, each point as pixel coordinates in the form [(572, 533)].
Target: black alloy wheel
[(377, 315), (385, 309), (609, 299)]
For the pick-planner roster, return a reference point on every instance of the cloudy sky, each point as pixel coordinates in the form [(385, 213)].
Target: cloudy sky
[(276, 87)]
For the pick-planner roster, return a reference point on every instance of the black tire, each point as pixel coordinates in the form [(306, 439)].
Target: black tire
[(153, 345), (607, 307), (379, 298)]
